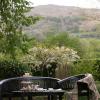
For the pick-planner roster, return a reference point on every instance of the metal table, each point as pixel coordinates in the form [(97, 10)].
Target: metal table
[(51, 94)]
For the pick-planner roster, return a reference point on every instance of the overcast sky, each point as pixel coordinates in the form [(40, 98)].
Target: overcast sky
[(78, 3)]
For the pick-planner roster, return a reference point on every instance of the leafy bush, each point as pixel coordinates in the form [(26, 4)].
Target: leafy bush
[(96, 69), (12, 69), (48, 60), (98, 85), (84, 66)]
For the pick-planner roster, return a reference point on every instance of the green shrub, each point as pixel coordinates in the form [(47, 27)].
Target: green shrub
[(98, 85), (47, 61), (96, 70), (12, 69)]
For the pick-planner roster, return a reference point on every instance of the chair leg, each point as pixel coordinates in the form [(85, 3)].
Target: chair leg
[(30, 97)]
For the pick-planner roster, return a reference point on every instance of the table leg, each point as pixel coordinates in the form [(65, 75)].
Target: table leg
[(60, 97), (29, 97), (10, 98), (22, 98), (49, 97), (52, 97)]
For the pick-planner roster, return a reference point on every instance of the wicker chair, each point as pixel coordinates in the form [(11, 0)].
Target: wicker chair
[(70, 85), (69, 82), (87, 89), (14, 84)]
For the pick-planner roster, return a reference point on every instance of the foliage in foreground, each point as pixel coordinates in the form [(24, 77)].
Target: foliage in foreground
[(11, 68), (12, 20)]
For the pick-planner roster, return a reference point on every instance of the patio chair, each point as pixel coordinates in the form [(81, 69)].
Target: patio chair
[(70, 85), (69, 82), (87, 88)]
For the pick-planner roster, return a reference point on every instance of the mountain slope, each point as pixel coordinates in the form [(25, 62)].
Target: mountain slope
[(58, 11), (63, 19)]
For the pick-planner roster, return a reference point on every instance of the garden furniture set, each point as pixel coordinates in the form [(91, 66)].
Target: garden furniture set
[(54, 89)]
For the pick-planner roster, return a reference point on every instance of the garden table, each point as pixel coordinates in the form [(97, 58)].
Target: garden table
[(13, 87), (49, 93)]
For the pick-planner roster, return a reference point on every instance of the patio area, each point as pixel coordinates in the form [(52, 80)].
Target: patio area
[(79, 87)]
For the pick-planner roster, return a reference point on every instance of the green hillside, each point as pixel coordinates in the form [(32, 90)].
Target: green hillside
[(84, 23)]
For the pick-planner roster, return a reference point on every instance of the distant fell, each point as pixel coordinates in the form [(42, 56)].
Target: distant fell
[(69, 19), (58, 11)]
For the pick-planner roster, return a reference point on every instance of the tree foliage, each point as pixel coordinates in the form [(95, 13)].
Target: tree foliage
[(49, 59), (12, 20), (64, 39)]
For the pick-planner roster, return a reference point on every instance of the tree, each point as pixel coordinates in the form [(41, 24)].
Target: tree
[(47, 61), (12, 20), (64, 39)]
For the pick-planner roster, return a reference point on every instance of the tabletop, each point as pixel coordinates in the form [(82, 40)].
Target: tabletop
[(40, 92), (49, 93)]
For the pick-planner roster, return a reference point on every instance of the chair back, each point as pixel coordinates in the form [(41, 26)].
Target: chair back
[(69, 83)]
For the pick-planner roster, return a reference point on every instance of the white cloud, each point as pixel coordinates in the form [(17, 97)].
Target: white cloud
[(79, 3)]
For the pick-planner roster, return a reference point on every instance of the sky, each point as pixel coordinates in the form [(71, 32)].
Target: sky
[(77, 3)]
